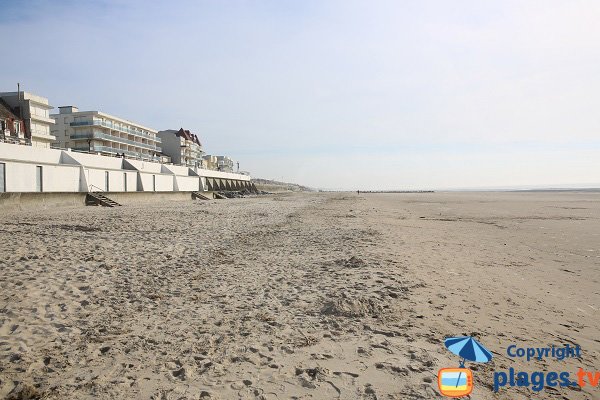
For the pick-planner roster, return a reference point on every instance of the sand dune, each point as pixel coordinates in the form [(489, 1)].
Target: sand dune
[(305, 296)]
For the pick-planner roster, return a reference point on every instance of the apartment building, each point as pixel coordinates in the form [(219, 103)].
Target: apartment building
[(32, 110), (224, 163), (210, 162), (12, 127), (105, 134), (183, 147), (219, 163)]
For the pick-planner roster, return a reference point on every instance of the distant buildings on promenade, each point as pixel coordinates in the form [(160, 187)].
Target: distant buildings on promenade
[(25, 119), (219, 163)]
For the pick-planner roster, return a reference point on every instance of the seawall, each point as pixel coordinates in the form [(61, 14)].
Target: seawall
[(46, 201)]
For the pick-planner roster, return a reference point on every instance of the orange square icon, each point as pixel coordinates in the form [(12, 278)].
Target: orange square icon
[(455, 382)]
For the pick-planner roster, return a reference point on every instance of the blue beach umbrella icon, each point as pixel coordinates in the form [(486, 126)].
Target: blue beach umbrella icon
[(469, 349)]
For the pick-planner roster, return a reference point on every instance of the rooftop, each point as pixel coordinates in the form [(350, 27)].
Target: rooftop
[(6, 111), (186, 134), (72, 110), (41, 101)]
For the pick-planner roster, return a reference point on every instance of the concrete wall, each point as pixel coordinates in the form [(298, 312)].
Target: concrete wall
[(176, 169), (25, 201), (220, 174), (28, 153), (67, 171), (91, 160), (21, 177), (149, 197), (164, 183), (131, 181), (95, 180), (60, 178), (144, 166), (187, 183)]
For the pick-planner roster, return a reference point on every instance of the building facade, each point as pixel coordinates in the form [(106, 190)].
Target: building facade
[(12, 128), (218, 163), (101, 133), (183, 147), (210, 162), (224, 163), (33, 111)]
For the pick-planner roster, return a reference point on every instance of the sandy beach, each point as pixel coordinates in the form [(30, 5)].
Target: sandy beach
[(302, 296)]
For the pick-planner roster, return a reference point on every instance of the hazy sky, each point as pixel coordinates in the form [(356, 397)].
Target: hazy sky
[(335, 94)]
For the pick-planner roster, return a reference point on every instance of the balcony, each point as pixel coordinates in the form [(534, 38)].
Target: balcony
[(112, 126), (104, 136), (7, 138), (132, 154), (43, 136)]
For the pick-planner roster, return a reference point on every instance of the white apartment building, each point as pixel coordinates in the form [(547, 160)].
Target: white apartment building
[(183, 147), (219, 163), (33, 110), (101, 133), (224, 163)]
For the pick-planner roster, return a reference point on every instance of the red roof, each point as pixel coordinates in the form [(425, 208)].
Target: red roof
[(7, 112), (188, 136)]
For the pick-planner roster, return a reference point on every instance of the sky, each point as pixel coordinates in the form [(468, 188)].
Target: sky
[(335, 94)]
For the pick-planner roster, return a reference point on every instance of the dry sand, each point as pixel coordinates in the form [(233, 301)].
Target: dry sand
[(306, 296)]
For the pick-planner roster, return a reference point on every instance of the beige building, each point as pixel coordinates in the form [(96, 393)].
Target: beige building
[(33, 111), (210, 162), (183, 147), (224, 163), (218, 163), (102, 133)]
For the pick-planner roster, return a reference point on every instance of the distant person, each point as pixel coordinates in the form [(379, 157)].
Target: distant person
[(358, 192)]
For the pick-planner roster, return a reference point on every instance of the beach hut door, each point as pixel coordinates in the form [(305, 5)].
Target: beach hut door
[(39, 185)]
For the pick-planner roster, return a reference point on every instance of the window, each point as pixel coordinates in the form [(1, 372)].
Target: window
[(39, 185), (17, 127), (124, 181), (2, 177)]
